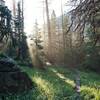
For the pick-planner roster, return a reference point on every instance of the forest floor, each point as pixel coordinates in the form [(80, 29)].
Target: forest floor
[(57, 83)]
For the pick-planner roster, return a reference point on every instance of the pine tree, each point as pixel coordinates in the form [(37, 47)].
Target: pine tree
[(39, 57)]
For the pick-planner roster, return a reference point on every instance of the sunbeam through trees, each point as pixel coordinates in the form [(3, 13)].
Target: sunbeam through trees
[(49, 49)]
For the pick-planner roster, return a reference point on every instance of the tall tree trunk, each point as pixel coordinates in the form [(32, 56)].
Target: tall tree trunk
[(49, 32)]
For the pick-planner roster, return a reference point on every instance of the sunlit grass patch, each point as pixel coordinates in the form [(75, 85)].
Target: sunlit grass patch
[(50, 85), (45, 87), (56, 83), (88, 93), (67, 80)]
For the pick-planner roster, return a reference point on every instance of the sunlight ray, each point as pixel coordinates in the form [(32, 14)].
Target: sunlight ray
[(67, 80)]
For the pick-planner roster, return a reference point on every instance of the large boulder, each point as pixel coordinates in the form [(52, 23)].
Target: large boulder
[(12, 79)]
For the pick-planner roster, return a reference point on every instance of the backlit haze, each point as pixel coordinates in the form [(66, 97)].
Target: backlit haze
[(33, 9)]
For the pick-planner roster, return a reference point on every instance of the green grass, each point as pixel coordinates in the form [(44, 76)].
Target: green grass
[(57, 83), (50, 84)]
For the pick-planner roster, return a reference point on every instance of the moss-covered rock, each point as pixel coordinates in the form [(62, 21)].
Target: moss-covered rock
[(12, 79)]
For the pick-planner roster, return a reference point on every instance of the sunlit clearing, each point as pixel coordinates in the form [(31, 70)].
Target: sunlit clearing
[(67, 80), (45, 86)]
